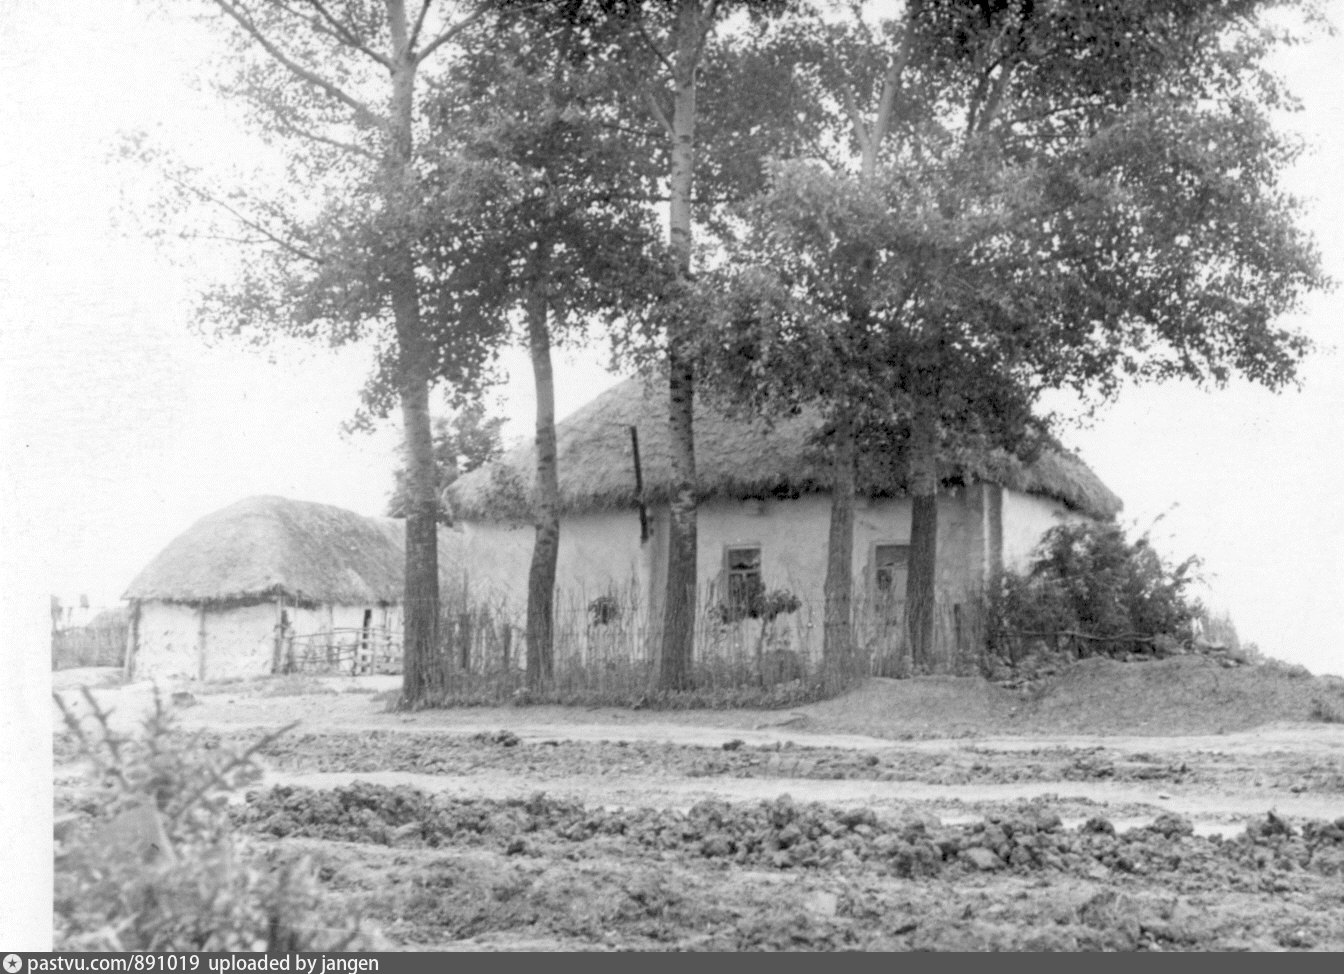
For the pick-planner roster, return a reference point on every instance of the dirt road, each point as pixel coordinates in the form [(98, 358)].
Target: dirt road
[(553, 828)]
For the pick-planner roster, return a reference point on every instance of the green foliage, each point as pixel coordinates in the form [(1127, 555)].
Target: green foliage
[(604, 610), (1327, 711), (1094, 592), (463, 441), (755, 604), (199, 888)]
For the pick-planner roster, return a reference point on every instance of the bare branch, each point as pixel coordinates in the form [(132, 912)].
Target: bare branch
[(362, 112)]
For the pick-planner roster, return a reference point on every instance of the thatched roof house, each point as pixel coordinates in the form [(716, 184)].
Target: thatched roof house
[(763, 517), (735, 458), (266, 547), (223, 596)]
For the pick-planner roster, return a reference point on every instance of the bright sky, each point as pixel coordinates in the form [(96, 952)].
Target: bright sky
[(121, 427)]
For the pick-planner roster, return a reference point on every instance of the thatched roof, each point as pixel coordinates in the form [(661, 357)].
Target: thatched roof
[(264, 547), (734, 458)]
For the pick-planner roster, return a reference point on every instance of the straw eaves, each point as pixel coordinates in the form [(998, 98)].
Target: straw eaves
[(735, 457), (264, 547)]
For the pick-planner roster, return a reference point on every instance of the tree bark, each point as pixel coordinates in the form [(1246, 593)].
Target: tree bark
[(920, 588), (838, 589), (838, 637), (421, 607), (677, 641), (546, 546)]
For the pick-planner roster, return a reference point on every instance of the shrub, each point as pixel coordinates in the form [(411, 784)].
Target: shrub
[(1091, 591), (1327, 711), (758, 604), (149, 860)]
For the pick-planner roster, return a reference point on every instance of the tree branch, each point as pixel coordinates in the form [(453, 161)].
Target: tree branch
[(706, 28), (246, 221), (653, 46), (886, 104), (362, 112), (452, 32), (861, 134), (419, 24), (345, 35), (658, 112), (304, 133), (995, 99)]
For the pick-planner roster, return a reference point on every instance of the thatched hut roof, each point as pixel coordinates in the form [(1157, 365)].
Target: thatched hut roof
[(734, 458), (264, 547)]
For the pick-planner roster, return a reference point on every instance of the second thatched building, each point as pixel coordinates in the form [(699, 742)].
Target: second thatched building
[(258, 586)]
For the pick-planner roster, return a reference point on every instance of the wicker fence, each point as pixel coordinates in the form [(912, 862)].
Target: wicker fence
[(609, 647)]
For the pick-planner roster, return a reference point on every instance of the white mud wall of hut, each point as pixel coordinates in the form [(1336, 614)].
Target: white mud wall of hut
[(1026, 518), (601, 554)]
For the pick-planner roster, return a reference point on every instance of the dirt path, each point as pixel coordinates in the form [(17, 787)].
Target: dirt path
[(1218, 781), (555, 828)]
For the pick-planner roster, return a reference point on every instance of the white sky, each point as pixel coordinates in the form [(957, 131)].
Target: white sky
[(120, 427)]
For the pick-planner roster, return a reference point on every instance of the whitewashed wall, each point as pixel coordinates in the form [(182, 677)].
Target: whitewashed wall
[(167, 642), (601, 552), (239, 641), (1026, 517)]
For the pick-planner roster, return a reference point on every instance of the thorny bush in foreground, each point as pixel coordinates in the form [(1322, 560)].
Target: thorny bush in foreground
[(150, 862)]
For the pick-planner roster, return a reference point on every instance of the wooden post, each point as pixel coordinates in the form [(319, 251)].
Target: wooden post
[(132, 641), (465, 635), (200, 644), (639, 487)]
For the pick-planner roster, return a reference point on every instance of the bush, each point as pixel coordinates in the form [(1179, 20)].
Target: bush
[(1090, 591), (148, 859)]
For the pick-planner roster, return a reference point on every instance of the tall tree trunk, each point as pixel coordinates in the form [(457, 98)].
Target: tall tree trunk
[(421, 606), (546, 546), (678, 635), (838, 637), (920, 586), (421, 629)]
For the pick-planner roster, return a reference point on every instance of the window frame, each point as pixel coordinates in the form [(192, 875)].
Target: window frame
[(887, 593), (734, 589)]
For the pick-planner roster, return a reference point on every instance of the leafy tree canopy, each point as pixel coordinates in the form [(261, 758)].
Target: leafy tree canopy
[(465, 439)]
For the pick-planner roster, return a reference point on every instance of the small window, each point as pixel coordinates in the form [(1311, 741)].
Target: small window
[(890, 568), (743, 571)]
